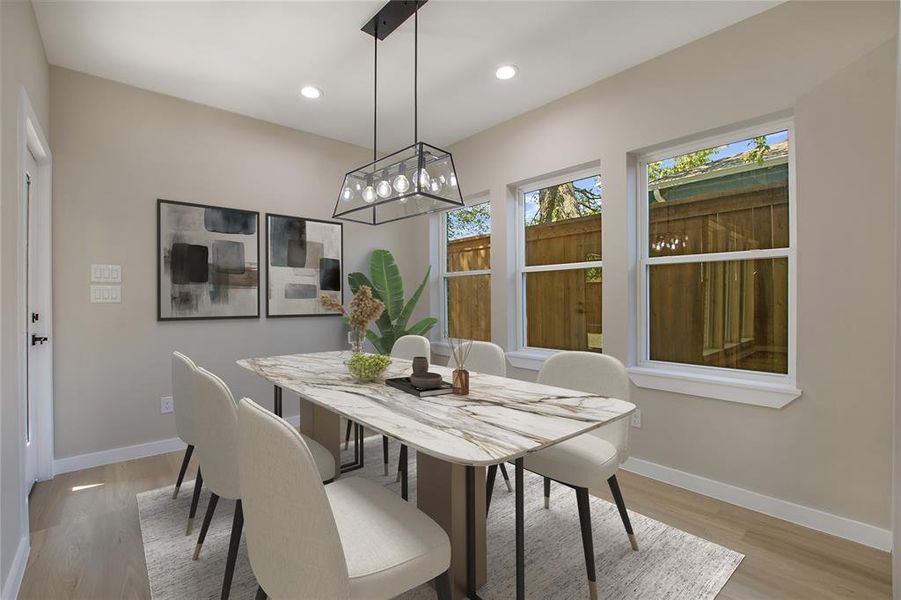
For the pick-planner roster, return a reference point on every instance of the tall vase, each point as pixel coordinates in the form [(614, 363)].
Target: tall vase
[(357, 336)]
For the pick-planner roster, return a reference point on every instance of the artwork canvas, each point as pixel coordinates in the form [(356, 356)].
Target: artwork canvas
[(304, 262), (208, 262)]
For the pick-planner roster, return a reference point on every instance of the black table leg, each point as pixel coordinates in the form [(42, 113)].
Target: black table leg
[(520, 535), (277, 402), (471, 533), (404, 489)]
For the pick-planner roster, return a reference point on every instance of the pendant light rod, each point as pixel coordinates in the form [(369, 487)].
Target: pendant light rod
[(375, 97), (416, 74)]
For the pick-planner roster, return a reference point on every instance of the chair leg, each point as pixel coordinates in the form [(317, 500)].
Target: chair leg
[(547, 492), (347, 435), (237, 526), (404, 491), (623, 513), (195, 500), (443, 586), (385, 453), (587, 543), (489, 486), (210, 509), (261, 594), (403, 450), (506, 477), (184, 467)]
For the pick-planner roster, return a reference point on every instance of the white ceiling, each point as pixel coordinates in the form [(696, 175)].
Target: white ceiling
[(253, 57)]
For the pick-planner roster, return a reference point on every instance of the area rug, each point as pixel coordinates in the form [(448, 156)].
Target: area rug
[(671, 563)]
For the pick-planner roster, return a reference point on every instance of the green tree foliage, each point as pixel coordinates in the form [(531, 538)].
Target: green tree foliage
[(469, 221)]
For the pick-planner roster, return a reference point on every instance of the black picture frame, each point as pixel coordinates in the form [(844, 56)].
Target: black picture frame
[(159, 262), (340, 227)]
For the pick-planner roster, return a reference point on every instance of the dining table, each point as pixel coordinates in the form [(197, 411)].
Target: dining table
[(456, 437)]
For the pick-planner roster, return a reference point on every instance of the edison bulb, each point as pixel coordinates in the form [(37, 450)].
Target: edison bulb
[(401, 184), (453, 179), (369, 194), (424, 179), (347, 194), (383, 189), (435, 186)]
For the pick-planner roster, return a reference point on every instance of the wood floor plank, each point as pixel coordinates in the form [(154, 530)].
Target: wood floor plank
[(86, 541)]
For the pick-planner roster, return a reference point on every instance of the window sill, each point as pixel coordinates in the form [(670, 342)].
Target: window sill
[(751, 390), (529, 358)]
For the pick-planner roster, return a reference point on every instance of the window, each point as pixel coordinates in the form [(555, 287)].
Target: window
[(716, 256), (467, 272), (559, 264)]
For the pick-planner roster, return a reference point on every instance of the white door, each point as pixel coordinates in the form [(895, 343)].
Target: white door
[(35, 339)]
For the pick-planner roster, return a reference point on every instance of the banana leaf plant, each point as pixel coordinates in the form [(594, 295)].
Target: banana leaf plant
[(388, 286)]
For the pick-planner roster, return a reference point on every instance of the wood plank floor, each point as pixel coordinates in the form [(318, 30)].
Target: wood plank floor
[(86, 543)]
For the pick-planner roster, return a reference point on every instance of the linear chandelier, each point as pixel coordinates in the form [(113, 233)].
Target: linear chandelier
[(416, 180)]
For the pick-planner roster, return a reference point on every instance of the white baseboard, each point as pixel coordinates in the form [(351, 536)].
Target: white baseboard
[(842, 527), (115, 455), (16, 571)]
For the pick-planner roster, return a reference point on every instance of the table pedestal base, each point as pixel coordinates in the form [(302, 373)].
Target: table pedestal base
[(324, 426), (441, 493)]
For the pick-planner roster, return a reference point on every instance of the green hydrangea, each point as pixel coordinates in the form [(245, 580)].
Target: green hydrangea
[(366, 367)]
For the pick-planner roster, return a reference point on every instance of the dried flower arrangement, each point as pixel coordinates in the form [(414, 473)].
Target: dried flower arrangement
[(364, 310)]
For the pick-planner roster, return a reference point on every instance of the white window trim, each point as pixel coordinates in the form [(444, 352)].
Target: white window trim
[(525, 356), (746, 387), (440, 345)]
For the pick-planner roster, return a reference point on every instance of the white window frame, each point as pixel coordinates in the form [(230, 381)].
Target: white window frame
[(747, 387), (443, 274), (525, 356)]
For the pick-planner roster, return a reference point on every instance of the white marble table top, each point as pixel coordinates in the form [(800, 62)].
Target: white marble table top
[(501, 419)]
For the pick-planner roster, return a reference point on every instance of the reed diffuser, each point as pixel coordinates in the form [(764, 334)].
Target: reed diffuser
[(460, 353)]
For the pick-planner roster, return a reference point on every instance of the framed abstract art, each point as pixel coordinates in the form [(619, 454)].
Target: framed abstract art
[(207, 262), (304, 260)]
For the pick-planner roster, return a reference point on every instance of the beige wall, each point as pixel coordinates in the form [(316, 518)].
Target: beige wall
[(832, 65), (117, 149), (23, 65)]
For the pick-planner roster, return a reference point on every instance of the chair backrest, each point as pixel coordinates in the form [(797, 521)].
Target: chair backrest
[(593, 373), (488, 358), (183, 369), (292, 538), (410, 346), (216, 428)]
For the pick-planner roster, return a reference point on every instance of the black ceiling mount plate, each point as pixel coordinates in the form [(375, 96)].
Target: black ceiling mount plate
[(391, 16)]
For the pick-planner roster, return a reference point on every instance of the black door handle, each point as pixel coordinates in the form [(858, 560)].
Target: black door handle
[(36, 339)]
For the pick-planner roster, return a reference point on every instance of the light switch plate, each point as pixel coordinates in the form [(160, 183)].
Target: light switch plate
[(106, 294), (106, 273), (166, 405)]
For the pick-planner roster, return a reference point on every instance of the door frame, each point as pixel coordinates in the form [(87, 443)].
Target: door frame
[(31, 138)]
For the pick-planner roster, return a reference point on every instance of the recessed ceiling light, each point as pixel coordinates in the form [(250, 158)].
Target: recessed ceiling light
[(506, 72), (310, 91)]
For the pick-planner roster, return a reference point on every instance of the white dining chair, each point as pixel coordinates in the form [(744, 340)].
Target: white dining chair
[(352, 539), (406, 347), (586, 462), (216, 420), (183, 372), (488, 358)]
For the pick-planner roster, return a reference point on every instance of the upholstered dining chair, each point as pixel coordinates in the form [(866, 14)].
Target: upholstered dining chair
[(406, 347), (216, 419), (183, 372), (488, 358), (352, 539), (586, 462)]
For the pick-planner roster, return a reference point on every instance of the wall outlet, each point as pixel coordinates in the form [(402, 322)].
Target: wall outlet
[(166, 405), (636, 418)]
